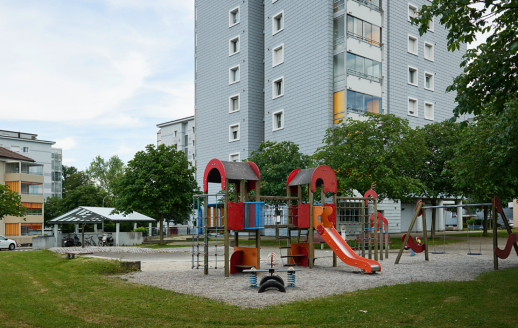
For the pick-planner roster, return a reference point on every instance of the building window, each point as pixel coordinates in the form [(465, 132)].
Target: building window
[(233, 17), (428, 51), (234, 133), (234, 157), (278, 120), (234, 75), (193, 143), (359, 102), (234, 46), (193, 129), (175, 133), (412, 45), (412, 12), (193, 157), (25, 149), (278, 23), (338, 5), (428, 81), (234, 103), (412, 75), (430, 25), (339, 70), (363, 67), (412, 106), (428, 111), (363, 30), (278, 88), (339, 33), (278, 55)]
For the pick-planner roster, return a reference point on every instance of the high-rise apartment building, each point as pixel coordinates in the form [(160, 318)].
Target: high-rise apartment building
[(42, 152), (180, 133), (288, 70)]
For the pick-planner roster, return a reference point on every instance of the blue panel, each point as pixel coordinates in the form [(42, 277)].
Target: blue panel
[(200, 221), (254, 215)]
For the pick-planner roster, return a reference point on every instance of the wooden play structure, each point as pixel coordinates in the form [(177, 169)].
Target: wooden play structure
[(420, 210)]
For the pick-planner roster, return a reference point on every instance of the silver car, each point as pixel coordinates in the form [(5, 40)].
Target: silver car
[(7, 243)]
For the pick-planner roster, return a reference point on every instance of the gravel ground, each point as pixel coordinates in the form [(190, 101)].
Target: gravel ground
[(134, 250), (174, 273)]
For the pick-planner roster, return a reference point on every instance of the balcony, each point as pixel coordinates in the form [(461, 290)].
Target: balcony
[(371, 4), (364, 76), (355, 36), (32, 188), (24, 168)]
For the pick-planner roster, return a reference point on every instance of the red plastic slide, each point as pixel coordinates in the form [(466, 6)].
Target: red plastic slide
[(337, 244)]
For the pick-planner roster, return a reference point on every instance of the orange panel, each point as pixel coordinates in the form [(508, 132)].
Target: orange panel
[(33, 226), (339, 106), (249, 255), (12, 229), (14, 185), (33, 205)]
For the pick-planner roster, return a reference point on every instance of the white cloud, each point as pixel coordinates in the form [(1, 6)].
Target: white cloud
[(66, 143)]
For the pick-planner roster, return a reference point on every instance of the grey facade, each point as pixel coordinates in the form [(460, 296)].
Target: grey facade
[(182, 134), (42, 152)]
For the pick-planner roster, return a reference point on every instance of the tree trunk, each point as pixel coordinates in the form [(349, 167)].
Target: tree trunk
[(161, 228), (485, 221)]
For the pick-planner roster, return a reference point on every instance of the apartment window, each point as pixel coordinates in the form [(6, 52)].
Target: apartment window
[(193, 129), (234, 157), (234, 103), (193, 157), (234, 46), (360, 102), (360, 66), (175, 133), (278, 55), (428, 111), (339, 32), (428, 81), (233, 17), (412, 106), (412, 12), (234, 133), (278, 120), (363, 30), (339, 70), (338, 5), (412, 75), (430, 25), (278, 87), (278, 22), (428, 51), (234, 75), (25, 149), (412, 45)]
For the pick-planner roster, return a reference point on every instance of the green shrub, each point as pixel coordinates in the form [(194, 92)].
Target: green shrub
[(141, 229)]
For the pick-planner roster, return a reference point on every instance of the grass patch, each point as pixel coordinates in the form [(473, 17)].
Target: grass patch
[(42, 289)]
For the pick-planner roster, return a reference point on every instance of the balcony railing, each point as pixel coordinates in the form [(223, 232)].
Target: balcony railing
[(339, 42), (369, 4), (338, 5), (364, 39), (364, 76)]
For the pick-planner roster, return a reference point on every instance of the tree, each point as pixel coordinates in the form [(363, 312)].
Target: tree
[(490, 78), (106, 172), (276, 160), (76, 180), (158, 180), (52, 208), (382, 151), (10, 203), (440, 141), (67, 172)]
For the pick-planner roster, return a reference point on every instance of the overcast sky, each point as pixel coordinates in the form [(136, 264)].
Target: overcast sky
[(95, 75)]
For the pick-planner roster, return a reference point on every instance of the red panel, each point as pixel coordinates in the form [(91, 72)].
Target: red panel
[(327, 175), (370, 193), (292, 175), (214, 164), (236, 216), (332, 218), (236, 259), (303, 219), (498, 205), (255, 169), (504, 253), (380, 218)]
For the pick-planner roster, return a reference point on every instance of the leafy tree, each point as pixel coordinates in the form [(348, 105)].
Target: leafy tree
[(490, 78), (276, 160), (52, 208), (440, 141), (106, 172), (10, 203), (67, 171), (76, 180), (382, 151), (159, 180)]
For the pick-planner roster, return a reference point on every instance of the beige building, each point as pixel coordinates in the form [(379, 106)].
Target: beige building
[(22, 175)]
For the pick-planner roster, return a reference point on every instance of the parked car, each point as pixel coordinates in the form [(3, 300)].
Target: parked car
[(511, 224), (7, 243)]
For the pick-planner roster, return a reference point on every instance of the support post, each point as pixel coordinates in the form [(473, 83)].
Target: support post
[(257, 231), (311, 235), (206, 235), (440, 216), (151, 229), (76, 227), (95, 227), (376, 226), (334, 254), (117, 231), (134, 225), (416, 214), (485, 221), (362, 222), (425, 236), (227, 239), (495, 235), (460, 223), (56, 231)]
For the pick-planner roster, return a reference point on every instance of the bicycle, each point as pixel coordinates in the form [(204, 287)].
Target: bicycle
[(90, 241)]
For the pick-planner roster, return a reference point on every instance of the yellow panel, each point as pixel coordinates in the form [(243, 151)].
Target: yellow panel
[(339, 102)]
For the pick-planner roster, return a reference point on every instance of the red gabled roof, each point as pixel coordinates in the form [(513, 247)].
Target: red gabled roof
[(5, 153)]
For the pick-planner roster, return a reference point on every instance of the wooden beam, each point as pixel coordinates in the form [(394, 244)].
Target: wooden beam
[(227, 239), (416, 214), (425, 237), (311, 237)]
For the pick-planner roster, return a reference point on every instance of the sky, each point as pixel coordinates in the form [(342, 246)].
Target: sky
[(96, 76)]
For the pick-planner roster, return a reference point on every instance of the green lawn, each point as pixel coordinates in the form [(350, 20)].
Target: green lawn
[(41, 289)]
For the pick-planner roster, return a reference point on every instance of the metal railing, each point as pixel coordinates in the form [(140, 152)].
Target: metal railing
[(369, 4), (362, 38), (338, 5), (364, 76), (339, 42)]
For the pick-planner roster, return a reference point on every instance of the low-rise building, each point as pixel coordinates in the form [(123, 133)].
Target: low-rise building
[(25, 177)]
